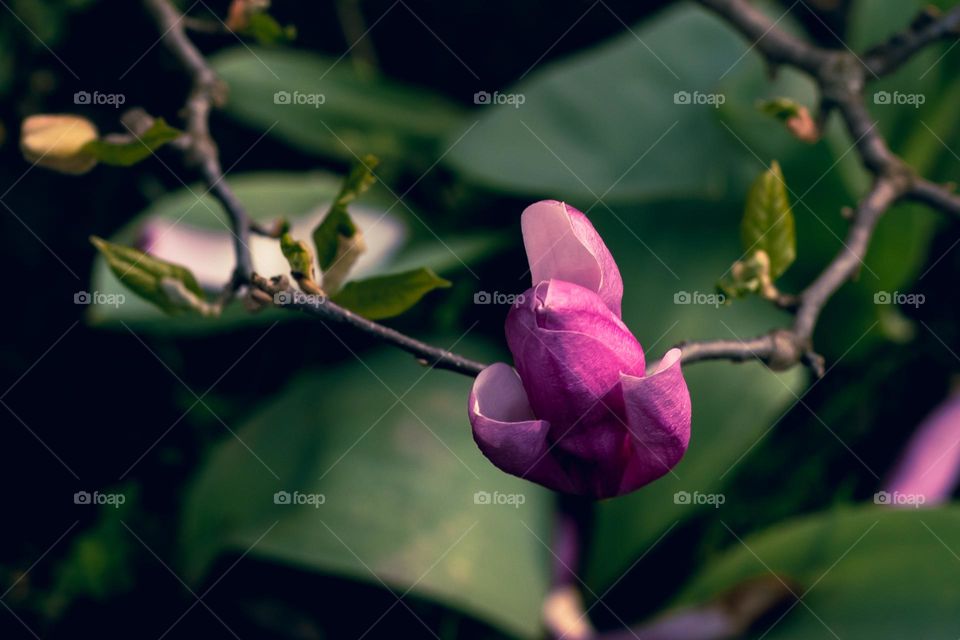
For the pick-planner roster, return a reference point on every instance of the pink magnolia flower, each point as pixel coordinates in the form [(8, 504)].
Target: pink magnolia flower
[(578, 414)]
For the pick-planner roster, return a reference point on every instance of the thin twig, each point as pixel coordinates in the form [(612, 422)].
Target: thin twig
[(199, 148), (934, 195), (425, 354), (931, 25)]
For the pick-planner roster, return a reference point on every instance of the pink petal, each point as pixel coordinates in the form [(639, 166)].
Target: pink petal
[(658, 416), (570, 351), (506, 431), (930, 465), (561, 244)]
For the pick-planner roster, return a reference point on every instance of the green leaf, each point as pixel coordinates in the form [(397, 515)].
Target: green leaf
[(399, 483), (319, 105), (388, 296), (612, 121), (768, 223), (871, 572), (337, 223), (150, 278), (263, 28), (298, 256), (132, 149)]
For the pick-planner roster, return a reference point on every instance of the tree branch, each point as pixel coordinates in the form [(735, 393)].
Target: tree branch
[(426, 354), (934, 195), (776, 45), (200, 152), (841, 77)]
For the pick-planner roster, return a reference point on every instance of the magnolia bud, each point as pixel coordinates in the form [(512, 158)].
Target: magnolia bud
[(57, 142), (349, 250)]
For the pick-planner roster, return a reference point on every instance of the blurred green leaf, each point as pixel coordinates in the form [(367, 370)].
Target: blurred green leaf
[(452, 253), (388, 296), (864, 572), (767, 223), (734, 406), (267, 197), (337, 223), (148, 277), (635, 118), (320, 105), (399, 481), (100, 561), (133, 149)]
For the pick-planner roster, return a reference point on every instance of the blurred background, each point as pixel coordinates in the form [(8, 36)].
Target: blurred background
[(185, 430)]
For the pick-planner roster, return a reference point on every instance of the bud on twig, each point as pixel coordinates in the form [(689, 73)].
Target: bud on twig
[(58, 142)]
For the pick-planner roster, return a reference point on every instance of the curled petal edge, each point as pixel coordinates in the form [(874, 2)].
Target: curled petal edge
[(658, 416), (506, 430)]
